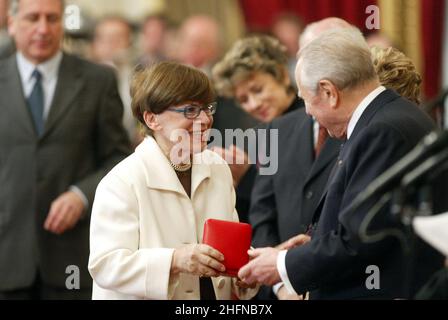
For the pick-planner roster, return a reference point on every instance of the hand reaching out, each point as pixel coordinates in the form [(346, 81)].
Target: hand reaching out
[(296, 241), (262, 269)]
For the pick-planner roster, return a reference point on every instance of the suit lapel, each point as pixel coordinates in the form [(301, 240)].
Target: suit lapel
[(329, 152), (305, 157), (13, 99), (69, 85), (384, 98), (320, 205)]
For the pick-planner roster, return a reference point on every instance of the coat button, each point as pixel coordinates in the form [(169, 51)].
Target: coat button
[(221, 283), (309, 195)]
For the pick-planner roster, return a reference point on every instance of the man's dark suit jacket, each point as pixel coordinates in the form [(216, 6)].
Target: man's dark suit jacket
[(283, 204), (333, 265), (245, 186), (83, 139)]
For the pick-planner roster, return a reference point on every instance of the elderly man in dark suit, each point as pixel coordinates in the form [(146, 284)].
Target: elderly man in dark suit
[(283, 204), (337, 80), (60, 132)]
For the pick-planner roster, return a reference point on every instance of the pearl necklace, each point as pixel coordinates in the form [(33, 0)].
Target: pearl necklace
[(181, 167)]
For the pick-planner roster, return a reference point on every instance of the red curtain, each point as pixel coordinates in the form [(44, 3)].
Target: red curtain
[(432, 12), (259, 14)]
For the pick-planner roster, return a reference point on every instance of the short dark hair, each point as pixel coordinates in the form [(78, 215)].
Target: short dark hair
[(166, 84)]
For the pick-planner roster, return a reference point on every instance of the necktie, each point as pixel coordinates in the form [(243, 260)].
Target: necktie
[(321, 138), (206, 289), (36, 103)]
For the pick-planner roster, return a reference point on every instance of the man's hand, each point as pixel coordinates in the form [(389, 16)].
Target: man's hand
[(237, 160), (65, 213), (262, 269), (296, 241)]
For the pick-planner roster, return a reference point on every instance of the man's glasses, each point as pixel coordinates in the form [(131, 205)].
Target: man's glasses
[(193, 111)]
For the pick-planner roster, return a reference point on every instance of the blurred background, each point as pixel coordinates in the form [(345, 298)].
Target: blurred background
[(415, 26), (142, 31)]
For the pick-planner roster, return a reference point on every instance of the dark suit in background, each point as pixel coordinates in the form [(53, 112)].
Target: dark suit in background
[(283, 204), (229, 116), (333, 265), (83, 139), (6, 45), (246, 184)]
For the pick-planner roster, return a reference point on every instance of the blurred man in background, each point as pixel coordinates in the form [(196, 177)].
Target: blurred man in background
[(112, 45), (287, 28), (154, 31), (200, 42), (6, 43), (60, 133)]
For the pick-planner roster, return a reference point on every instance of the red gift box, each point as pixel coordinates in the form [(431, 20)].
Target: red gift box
[(232, 239)]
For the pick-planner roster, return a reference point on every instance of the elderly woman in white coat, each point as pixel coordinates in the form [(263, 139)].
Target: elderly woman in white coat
[(149, 211)]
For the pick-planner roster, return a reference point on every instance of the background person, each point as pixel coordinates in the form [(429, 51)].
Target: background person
[(254, 72), (60, 133), (287, 28), (397, 72), (112, 45)]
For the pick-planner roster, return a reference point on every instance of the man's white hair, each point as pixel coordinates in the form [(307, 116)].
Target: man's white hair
[(313, 30), (14, 7), (341, 56)]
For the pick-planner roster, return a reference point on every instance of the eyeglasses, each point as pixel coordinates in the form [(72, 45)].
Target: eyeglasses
[(193, 111)]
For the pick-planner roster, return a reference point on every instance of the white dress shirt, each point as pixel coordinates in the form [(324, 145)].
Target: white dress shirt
[(281, 258), (50, 72), (361, 108)]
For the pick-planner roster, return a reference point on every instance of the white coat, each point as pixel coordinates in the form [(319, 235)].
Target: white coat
[(141, 213)]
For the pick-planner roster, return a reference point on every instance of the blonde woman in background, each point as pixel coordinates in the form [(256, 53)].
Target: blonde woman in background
[(397, 72)]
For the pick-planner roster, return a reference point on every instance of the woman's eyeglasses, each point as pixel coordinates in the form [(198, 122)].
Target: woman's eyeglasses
[(193, 111)]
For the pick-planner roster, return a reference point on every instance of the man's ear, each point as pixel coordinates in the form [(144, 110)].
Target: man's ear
[(329, 92), (151, 121)]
